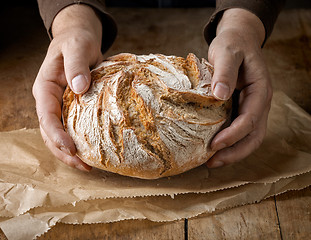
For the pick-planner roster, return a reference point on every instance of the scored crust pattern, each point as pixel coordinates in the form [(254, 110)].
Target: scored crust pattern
[(146, 116)]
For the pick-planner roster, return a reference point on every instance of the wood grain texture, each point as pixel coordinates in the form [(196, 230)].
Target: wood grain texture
[(169, 31), (126, 230), (255, 221), (294, 212)]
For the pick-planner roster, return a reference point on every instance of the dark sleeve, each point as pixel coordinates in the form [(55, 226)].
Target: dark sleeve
[(50, 8), (266, 10)]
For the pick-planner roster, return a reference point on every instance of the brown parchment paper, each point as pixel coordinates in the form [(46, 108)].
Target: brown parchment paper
[(38, 190), (155, 208)]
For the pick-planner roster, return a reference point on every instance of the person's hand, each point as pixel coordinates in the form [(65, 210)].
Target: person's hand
[(236, 55), (76, 46)]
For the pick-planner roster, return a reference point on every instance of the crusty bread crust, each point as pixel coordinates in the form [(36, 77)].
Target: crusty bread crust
[(146, 116)]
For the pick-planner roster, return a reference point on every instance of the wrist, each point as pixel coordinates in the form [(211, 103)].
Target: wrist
[(243, 22), (77, 17)]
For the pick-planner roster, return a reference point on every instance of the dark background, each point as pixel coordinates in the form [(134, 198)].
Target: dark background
[(158, 3), (14, 15), (188, 3)]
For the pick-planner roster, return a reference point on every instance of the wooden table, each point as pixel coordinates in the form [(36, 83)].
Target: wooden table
[(23, 45)]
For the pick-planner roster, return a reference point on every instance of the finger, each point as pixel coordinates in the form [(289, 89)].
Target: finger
[(241, 149), (48, 106), (254, 105), (76, 66), (72, 161), (234, 153), (238, 129), (226, 61)]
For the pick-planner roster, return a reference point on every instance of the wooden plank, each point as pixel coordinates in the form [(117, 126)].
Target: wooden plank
[(294, 213), (132, 229), (255, 221), (287, 53)]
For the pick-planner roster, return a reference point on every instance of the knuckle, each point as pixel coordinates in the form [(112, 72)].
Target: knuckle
[(266, 93), (211, 53), (68, 160), (41, 118), (252, 121), (257, 137), (57, 141), (46, 141), (234, 156), (70, 163), (71, 43), (257, 142), (235, 51), (77, 42), (34, 89), (269, 94)]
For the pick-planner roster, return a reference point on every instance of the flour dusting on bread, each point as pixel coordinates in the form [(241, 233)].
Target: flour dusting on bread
[(146, 116)]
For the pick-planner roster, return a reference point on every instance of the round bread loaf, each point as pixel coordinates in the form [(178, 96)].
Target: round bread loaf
[(146, 116)]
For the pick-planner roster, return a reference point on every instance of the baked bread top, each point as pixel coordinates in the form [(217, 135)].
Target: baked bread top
[(146, 116)]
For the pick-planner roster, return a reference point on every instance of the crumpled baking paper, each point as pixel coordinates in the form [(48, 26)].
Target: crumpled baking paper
[(37, 190)]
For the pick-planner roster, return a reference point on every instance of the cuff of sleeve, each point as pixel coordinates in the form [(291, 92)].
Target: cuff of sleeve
[(267, 11), (49, 9)]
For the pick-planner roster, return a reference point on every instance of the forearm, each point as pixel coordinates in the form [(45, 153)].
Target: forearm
[(244, 22), (50, 9), (78, 18), (266, 10)]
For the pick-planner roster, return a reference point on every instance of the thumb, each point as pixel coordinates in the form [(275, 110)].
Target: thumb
[(77, 71), (226, 69)]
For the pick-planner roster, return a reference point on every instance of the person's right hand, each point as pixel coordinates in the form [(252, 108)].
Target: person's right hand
[(239, 64), (76, 46)]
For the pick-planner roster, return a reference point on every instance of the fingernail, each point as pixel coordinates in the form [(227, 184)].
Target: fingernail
[(66, 150), (216, 164), (79, 84), (221, 91), (219, 146)]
